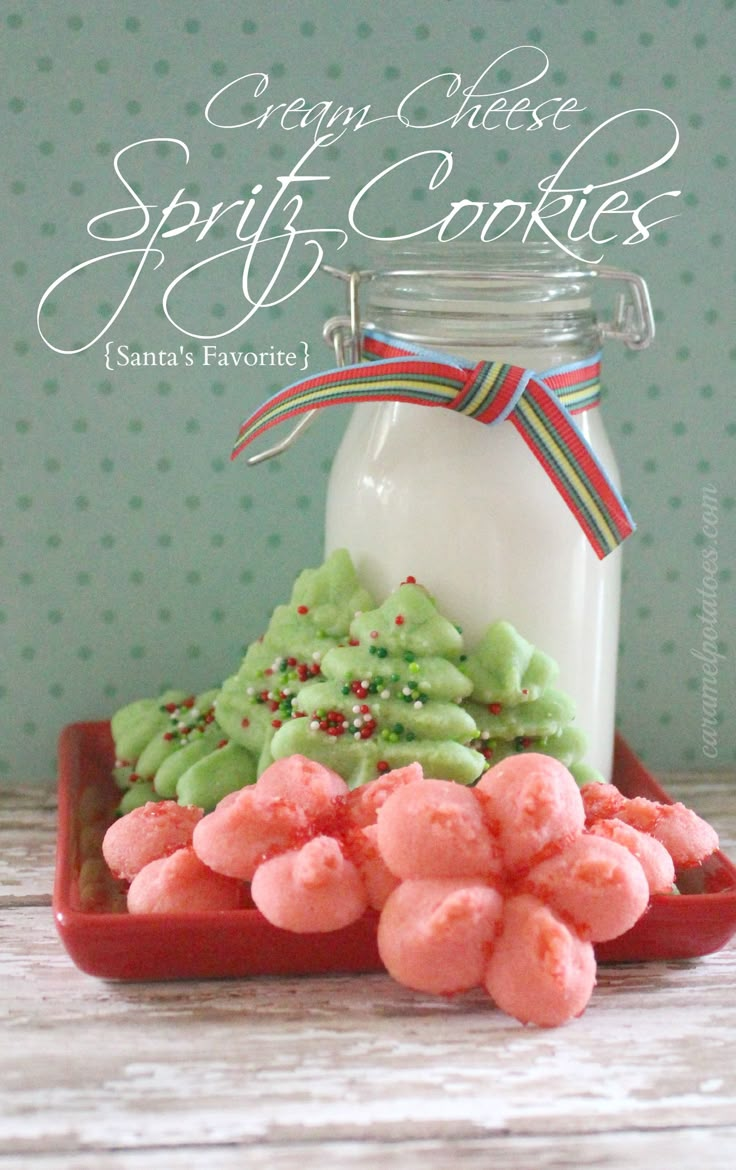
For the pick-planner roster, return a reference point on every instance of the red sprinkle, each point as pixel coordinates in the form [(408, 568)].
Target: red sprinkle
[(409, 581), (276, 723), (399, 619), (302, 609), (495, 708), (245, 722), (383, 766)]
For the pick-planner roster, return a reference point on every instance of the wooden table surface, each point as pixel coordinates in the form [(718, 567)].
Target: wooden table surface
[(350, 1071)]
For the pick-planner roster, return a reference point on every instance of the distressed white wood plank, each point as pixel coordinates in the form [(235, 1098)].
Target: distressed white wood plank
[(679, 1149), (355, 1058), (27, 844), (26, 866), (352, 1071)]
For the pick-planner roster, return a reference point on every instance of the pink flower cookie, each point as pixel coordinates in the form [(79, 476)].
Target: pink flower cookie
[(306, 843), (152, 830), (540, 971), (435, 934), (312, 889), (181, 884), (687, 837), (501, 887), (532, 804), (435, 829), (654, 859), (596, 885), (283, 809)]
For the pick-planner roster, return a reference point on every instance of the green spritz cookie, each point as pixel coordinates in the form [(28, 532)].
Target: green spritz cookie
[(136, 724), (516, 708), (255, 702), (390, 697)]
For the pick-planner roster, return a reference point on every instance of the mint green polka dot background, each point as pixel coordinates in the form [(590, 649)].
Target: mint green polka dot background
[(133, 553)]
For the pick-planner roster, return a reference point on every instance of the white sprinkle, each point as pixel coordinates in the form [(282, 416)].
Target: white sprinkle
[(356, 709), (418, 704), (314, 725), (485, 735), (356, 735), (345, 725), (406, 690), (385, 694), (250, 690), (358, 722)]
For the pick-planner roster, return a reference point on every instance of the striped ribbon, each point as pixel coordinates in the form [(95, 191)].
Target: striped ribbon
[(540, 406)]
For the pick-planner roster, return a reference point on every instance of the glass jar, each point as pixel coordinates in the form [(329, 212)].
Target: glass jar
[(465, 508)]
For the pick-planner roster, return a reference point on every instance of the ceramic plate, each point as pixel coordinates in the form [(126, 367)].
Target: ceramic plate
[(103, 940)]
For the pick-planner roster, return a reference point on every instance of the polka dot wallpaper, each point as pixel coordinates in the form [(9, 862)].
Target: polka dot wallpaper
[(133, 553)]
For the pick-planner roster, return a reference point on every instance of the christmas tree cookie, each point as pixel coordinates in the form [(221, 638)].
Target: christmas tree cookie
[(174, 749), (255, 702), (390, 697), (147, 733), (514, 705)]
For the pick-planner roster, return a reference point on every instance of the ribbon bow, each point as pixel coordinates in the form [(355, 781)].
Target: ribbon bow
[(540, 406)]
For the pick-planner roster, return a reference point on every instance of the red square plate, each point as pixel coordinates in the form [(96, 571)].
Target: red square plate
[(102, 939)]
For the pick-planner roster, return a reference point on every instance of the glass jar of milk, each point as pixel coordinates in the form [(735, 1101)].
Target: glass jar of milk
[(465, 508)]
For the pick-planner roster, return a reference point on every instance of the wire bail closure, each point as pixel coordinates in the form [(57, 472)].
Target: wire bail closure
[(632, 322)]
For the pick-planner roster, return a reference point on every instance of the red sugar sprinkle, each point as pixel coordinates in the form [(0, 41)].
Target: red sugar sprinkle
[(399, 619), (495, 708), (245, 722), (276, 723), (302, 609), (409, 581), (383, 766)]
